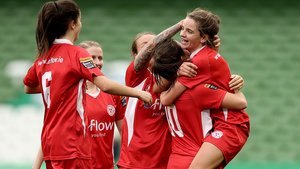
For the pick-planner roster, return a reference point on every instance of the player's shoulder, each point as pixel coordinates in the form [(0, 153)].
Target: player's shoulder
[(80, 53), (214, 56), (74, 49), (211, 53), (130, 67), (78, 49)]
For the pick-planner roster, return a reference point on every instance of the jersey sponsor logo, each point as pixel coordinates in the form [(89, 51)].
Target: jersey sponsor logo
[(160, 113), (87, 62), (51, 61), (217, 134), (110, 110), (155, 106), (210, 86), (100, 126), (98, 135)]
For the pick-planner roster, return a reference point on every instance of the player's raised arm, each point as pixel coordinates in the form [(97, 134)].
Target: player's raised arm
[(144, 56)]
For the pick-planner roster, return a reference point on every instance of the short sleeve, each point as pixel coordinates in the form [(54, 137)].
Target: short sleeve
[(86, 65), (208, 96), (203, 73), (120, 102), (134, 78), (31, 78)]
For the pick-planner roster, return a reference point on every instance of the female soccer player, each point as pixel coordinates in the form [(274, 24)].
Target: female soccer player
[(146, 141), (59, 73), (211, 101), (103, 111)]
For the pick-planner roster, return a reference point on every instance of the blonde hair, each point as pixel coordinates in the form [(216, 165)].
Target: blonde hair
[(89, 43)]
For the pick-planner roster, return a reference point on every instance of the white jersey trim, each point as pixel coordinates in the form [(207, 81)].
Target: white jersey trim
[(130, 112), (94, 95), (61, 41), (195, 52), (206, 122), (225, 112), (79, 107)]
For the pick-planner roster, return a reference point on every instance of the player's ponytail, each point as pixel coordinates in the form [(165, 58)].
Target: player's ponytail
[(53, 21)]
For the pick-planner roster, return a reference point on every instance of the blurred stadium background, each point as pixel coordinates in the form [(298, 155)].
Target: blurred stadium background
[(260, 40)]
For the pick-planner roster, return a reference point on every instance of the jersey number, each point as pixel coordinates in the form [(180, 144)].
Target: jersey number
[(173, 120), (46, 80)]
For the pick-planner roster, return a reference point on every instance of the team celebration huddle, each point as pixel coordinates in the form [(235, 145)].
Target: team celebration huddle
[(180, 106)]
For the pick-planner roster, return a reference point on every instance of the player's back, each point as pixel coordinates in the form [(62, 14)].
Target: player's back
[(187, 129), (63, 88)]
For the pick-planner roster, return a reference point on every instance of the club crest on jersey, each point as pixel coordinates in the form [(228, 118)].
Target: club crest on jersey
[(210, 86), (217, 134), (87, 62), (111, 110)]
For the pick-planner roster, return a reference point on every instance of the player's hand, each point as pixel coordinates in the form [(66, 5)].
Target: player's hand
[(181, 22), (236, 83), (146, 97), (186, 54), (187, 69), (217, 42)]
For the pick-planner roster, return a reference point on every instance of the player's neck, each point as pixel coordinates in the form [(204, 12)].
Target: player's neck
[(91, 88), (68, 36)]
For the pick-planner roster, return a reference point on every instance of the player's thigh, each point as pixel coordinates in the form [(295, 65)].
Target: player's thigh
[(208, 157)]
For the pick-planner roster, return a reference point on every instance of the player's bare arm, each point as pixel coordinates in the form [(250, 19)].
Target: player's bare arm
[(109, 86), (168, 97), (144, 56), (236, 101)]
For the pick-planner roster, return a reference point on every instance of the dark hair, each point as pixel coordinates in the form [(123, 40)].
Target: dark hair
[(167, 59), (138, 36), (53, 21), (208, 23)]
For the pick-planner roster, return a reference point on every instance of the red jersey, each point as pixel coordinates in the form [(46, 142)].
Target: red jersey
[(61, 74), (190, 124), (213, 69), (146, 140), (103, 110)]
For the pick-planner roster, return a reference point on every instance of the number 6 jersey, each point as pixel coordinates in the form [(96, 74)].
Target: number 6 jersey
[(61, 74)]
